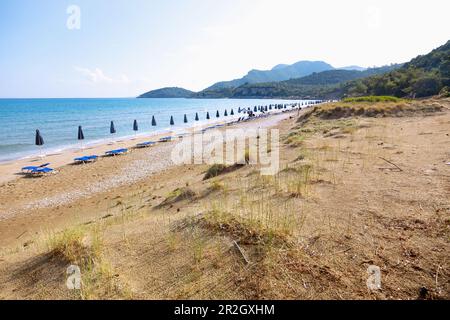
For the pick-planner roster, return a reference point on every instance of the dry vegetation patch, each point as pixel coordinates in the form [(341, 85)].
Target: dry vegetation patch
[(371, 108), (219, 169)]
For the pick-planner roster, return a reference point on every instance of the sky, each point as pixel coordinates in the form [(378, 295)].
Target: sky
[(122, 48)]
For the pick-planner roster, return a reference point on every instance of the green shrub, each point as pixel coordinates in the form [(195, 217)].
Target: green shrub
[(373, 99)]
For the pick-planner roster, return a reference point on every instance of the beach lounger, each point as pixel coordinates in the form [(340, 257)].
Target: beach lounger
[(40, 171), (86, 159), (165, 139), (116, 152), (145, 144), (31, 168)]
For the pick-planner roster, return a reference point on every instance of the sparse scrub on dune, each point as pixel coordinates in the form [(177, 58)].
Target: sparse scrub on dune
[(216, 186), (181, 194), (177, 195), (69, 245), (371, 106), (297, 180), (374, 99), (295, 140), (258, 210), (84, 248), (251, 230), (219, 169), (214, 171)]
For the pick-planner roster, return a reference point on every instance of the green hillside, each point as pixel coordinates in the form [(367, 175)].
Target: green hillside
[(171, 92), (324, 85), (280, 72), (423, 76)]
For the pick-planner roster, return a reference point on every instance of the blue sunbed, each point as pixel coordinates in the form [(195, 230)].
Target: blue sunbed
[(145, 144), (165, 139), (86, 159), (31, 168), (39, 171), (116, 152)]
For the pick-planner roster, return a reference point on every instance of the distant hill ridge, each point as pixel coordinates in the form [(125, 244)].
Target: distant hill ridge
[(278, 73), (423, 76), (322, 84), (169, 92)]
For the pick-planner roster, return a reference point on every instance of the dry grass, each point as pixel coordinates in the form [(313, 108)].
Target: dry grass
[(219, 169), (84, 247), (363, 108), (309, 232)]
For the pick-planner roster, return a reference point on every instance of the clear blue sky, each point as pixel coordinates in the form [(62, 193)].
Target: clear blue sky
[(124, 48)]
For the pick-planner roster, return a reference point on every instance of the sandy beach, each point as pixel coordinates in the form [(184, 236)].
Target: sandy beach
[(20, 194), (10, 170), (352, 192)]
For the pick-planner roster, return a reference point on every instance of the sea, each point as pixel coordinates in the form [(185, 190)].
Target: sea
[(58, 120)]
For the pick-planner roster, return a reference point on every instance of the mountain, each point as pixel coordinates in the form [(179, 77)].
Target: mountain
[(340, 75), (423, 76), (170, 92), (278, 73), (323, 84)]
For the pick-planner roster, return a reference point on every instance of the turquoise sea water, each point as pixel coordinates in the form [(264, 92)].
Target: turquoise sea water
[(58, 120)]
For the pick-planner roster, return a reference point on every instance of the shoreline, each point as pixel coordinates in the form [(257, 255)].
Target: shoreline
[(72, 184), (11, 170)]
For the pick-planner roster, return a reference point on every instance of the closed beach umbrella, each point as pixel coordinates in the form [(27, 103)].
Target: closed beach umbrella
[(39, 141), (207, 116), (80, 133), (80, 136), (196, 116), (171, 121), (217, 114), (185, 119), (153, 121), (226, 113), (111, 128), (135, 127)]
